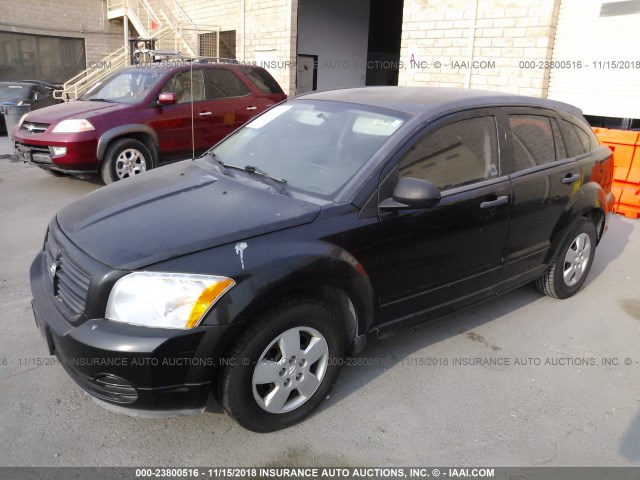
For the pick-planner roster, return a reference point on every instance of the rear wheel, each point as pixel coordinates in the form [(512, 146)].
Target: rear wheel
[(571, 263), (283, 365), (125, 158)]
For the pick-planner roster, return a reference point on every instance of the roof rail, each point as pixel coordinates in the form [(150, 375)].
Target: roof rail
[(213, 60)]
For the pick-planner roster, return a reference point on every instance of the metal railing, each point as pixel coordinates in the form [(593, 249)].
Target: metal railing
[(175, 31), (76, 86)]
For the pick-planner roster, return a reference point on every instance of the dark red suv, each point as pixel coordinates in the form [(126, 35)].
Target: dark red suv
[(138, 117)]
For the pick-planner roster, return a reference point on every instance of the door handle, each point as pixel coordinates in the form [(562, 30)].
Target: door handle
[(205, 114), (570, 178), (252, 108), (501, 200)]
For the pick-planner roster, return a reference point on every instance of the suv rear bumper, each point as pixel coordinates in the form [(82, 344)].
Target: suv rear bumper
[(141, 370)]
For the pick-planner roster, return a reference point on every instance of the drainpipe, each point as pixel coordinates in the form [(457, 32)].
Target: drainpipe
[(472, 38), (242, 10)]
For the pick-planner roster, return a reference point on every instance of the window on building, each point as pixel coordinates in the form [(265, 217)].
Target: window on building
[(208, 44), (533, 143), (457, 154), (41, 57)]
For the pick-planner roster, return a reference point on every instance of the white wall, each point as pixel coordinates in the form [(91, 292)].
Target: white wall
[(338, 32)]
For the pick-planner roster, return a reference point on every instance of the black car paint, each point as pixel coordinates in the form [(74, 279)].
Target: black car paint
[(188, 217)]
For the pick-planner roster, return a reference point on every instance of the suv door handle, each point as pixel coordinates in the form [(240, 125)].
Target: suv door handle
[(252, 108), (570, 178), (205, 114), (501, 200)]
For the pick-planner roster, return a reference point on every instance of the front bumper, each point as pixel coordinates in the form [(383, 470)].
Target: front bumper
[(80, 156), (140, 369)]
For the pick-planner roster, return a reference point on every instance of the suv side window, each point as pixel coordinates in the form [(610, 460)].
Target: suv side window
[(223, 83), (263, 80), (575, 145), (457, 154), (533, 143), (186, 86)]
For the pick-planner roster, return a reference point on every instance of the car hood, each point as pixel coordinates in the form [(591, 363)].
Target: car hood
[(74, 109), (175, 210)]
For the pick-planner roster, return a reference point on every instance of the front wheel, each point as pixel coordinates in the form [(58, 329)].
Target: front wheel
[(125, 158), (571, 263), (283, 366)]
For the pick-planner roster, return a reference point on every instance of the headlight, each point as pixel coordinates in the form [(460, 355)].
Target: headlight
[(73, 125), (168, 300)]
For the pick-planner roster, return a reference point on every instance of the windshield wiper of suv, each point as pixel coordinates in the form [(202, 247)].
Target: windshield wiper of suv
[(101, 100), (277, 183)]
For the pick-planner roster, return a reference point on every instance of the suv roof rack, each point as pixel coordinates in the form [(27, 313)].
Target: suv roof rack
[(214, 60)]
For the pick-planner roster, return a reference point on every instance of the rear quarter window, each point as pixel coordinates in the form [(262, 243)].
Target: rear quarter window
[(263, 80), (578, 141)]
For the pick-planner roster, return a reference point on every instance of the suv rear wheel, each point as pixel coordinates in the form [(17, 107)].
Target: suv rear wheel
[(571, 263), (283, 365), (125, 158)]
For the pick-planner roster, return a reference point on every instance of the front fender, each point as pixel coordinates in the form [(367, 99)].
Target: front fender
[(266, 269), (123, 130)]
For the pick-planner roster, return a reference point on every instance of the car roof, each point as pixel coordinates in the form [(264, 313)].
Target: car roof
[(430, 101)]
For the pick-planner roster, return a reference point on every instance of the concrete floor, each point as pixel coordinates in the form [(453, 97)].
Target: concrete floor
[(397, 414)]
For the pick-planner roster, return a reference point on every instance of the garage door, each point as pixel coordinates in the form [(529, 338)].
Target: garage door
[(605, 38)]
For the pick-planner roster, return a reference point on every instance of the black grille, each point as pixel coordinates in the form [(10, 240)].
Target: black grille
[(33, 127), (29, 149), (70, 282)]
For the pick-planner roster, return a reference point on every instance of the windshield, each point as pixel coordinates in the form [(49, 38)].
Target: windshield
[(11, 91), (124, 87), (316, 146)]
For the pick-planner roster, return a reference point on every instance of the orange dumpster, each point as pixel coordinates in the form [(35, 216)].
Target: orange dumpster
[(626, 176)]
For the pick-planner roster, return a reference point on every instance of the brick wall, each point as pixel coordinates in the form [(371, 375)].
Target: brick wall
[(66, 18), (269, 25), (506, 33)]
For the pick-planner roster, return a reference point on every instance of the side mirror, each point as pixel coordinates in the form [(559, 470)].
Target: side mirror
[(167, 98), (412, 193)]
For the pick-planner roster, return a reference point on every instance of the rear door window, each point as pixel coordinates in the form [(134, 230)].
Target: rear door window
[(533, 143), (222, 83)]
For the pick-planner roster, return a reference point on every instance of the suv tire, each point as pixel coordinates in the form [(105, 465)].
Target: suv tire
[(125, 158)]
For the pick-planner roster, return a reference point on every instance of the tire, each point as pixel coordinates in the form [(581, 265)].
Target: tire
[(125, 158), (295, 344), (571, 263)]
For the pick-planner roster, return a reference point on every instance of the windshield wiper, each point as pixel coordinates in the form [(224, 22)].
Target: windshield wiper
[(101, 100), (277, 183)]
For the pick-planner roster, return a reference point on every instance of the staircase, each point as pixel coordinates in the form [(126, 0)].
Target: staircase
[(169, 26)]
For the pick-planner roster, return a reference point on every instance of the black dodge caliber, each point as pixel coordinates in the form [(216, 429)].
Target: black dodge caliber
[(331, 220)]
